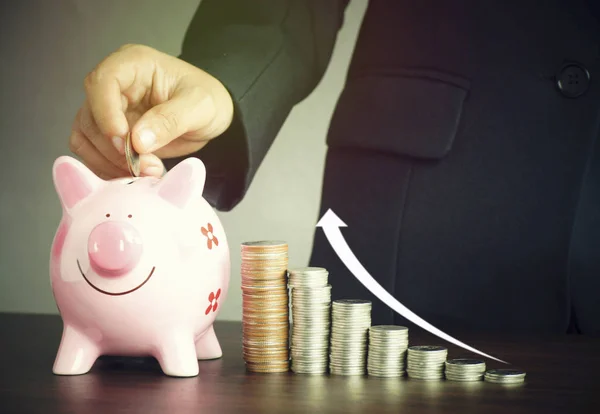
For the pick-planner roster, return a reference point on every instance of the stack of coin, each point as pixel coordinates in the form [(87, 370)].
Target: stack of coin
[(465, 369), (387, 350), (505, 376), (350, 322), (311, 302), (265, 306), (426, 362)]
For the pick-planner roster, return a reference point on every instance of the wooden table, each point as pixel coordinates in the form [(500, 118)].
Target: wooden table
[(563, 376)]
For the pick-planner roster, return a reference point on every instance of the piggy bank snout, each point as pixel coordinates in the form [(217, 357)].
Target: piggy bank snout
[(114, 248)]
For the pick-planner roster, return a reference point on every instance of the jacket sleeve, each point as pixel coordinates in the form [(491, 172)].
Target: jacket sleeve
[(270, 55)]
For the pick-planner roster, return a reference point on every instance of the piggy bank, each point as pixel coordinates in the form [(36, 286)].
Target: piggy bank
[(138, 267)]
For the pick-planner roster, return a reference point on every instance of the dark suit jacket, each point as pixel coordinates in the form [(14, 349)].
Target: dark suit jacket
[(461, 153)]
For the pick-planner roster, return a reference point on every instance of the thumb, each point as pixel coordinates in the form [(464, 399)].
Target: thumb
[(185, 112)]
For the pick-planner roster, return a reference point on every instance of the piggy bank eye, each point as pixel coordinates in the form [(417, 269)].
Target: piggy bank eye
[(107, 214), (129, 216)]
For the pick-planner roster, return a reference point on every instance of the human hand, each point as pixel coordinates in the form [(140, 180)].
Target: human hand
[(170, 107)]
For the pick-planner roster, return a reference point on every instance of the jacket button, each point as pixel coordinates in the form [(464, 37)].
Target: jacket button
[(573, 80)]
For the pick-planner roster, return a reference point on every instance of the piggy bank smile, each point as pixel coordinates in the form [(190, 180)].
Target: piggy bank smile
[(114, 251), (106, 292)]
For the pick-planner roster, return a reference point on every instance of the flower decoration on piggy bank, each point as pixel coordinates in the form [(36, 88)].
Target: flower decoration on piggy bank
[(139, 267)]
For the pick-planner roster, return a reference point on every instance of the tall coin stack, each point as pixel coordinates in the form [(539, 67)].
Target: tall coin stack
[(311, 307), (351, 319), (387, 350), (426, 362), (265, 303)]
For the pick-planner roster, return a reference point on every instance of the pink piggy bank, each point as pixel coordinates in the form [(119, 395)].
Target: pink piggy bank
[(138, 267)]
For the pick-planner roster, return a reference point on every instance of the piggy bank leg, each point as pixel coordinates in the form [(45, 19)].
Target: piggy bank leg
[(207, 346), (76, 353), (177, 356)]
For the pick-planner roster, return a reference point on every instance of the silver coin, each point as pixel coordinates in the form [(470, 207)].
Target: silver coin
[(306, 321), (425, 378), (389, 339), (352, 303), (464, 362), (466, 372), (388, 329), (505, 373), (427, 348), (388, 373), (469, 379), (397, 343), (309, 293), (132, 157), (300, 356), (504, 381), (316, 299), (384, 364), (307, 270), (454, 376), (309, 299)]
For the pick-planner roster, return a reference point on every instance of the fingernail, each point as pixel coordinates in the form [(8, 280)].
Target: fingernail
[(118, 143), (153, 170), (147, 139)]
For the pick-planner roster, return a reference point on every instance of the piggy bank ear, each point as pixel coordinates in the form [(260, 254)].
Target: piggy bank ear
[(73, 181), (183, 183)]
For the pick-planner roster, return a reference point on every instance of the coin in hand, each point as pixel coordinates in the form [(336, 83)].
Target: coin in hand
[(132, 157)]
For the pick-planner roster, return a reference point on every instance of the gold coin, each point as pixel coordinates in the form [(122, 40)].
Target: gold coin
[(268, 368), (280, 320), (271, 331), (265, 337), (263, 288), (261, 313), (264, 304), (281, 343), (273, 276)]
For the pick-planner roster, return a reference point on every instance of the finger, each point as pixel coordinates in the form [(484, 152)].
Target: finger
[(187, 111), (92, 158), (106, 84), (151, 165), (111, 149)]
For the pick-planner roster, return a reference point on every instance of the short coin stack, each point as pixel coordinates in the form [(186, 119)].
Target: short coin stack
[(426, 362), (387, 350), (311, 306), (265, 306), (465, 369), (505, 376), (350, 322)]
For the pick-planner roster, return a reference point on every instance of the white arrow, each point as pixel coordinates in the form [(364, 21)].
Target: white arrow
[(331, 224)]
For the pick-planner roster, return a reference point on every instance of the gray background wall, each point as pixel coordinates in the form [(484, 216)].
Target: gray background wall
[(46, 49)]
